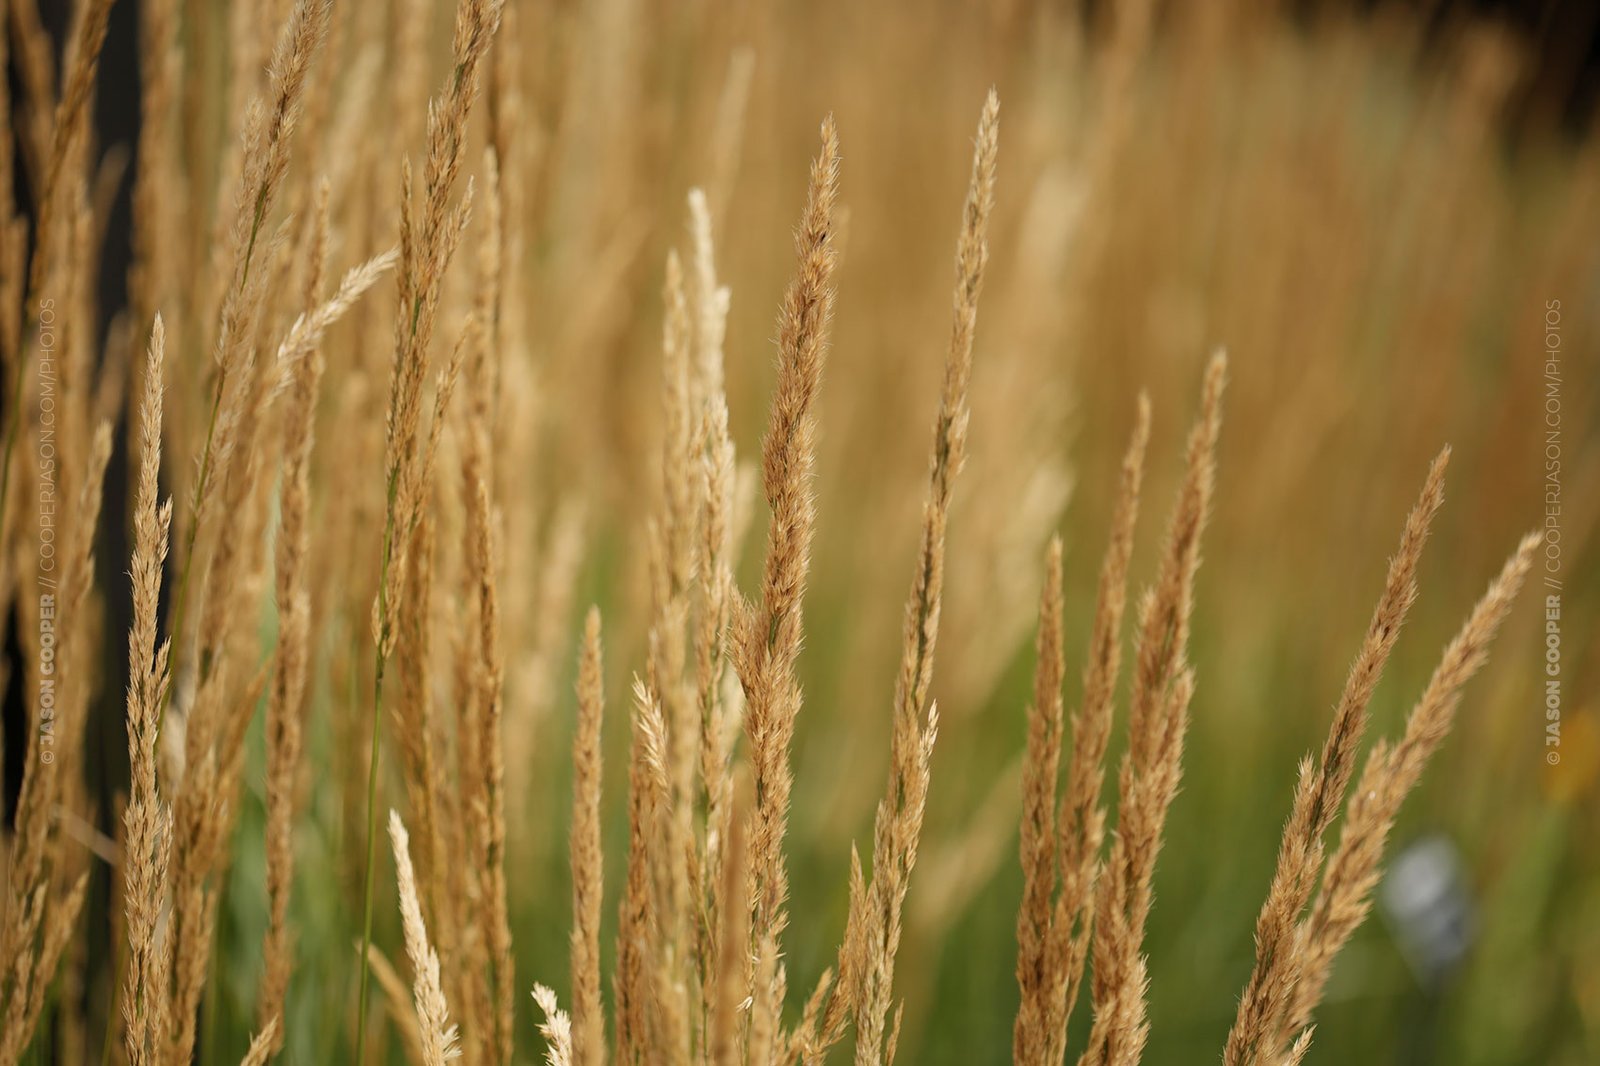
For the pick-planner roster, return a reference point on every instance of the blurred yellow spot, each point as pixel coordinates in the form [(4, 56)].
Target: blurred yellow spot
[(1574, 776)]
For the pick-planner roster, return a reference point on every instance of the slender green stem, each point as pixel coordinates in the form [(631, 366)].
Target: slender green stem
[(46, 1026), (381, 662), (372, 849), (431, 246), (120, 961), (181, 596), (210, 1020)]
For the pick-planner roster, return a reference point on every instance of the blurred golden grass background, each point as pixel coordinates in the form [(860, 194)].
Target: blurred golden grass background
[(1337, 204), (1337, 198)]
